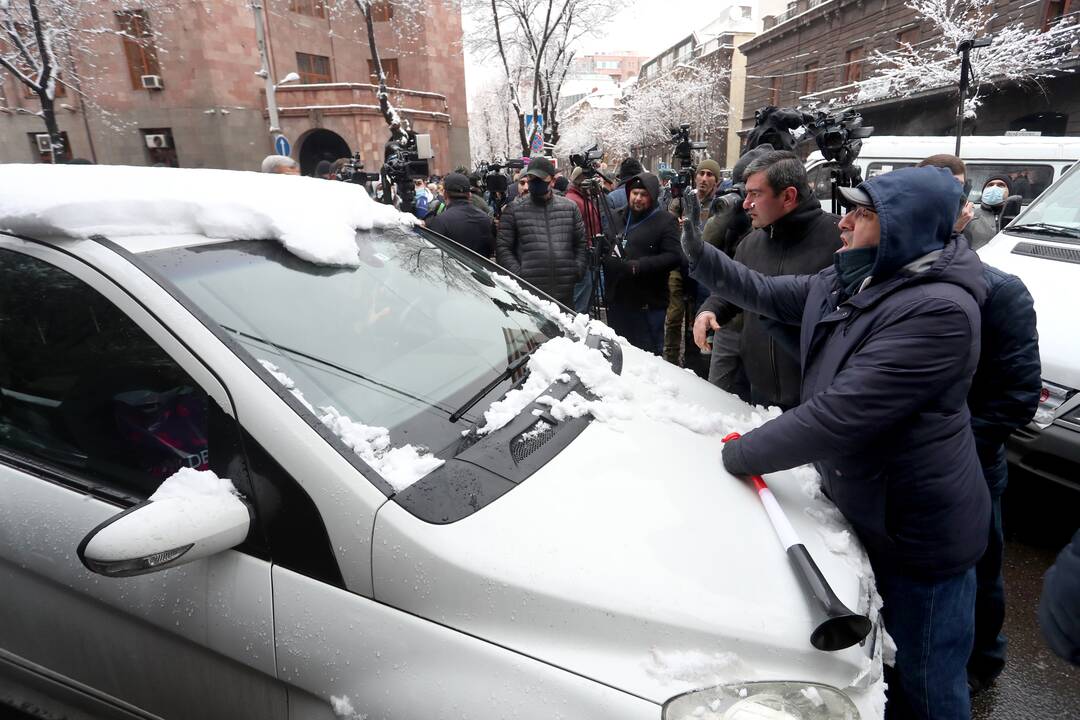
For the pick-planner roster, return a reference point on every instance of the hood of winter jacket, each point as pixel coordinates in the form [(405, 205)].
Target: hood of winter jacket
[(646, 180), (917, 210)]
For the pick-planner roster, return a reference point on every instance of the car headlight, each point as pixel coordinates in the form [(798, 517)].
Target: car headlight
[(762, 701), (1050, 399)]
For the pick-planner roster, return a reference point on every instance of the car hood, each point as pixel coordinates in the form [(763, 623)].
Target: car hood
[(635, 559), (1052, 284)]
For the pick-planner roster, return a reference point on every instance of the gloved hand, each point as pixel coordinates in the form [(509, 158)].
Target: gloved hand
[(732, 459), (692, 243)]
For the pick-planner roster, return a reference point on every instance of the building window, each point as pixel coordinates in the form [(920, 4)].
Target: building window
[(138, 46), (774, 91), (1056, 10), (381, 11), (42, 151), (313, 68), (853, 64), (314, 8), (810, 77), (160, 148), (908, 37), (389, 68)]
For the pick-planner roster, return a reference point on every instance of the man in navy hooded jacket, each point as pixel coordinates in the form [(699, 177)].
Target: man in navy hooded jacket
[(889, 344)]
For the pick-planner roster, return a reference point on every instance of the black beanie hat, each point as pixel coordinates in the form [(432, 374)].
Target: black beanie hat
[(630, 167)]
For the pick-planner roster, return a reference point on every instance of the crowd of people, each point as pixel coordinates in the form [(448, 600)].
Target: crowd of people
[(901, 361)]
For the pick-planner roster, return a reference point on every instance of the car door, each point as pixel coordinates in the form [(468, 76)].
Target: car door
[(98, 404)]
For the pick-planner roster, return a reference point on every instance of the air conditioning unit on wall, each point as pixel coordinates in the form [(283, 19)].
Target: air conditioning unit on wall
[(43, 143), (152, 82), (156, 141)]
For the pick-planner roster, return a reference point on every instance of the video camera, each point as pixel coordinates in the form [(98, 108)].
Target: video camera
[(352, 171), (403, 161), (494, 179), (682, 158), (839, 136)]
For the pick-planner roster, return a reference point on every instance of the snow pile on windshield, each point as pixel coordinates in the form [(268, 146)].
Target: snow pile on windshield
[(313, 218), (188, 482), (400, 466), (343, 708)]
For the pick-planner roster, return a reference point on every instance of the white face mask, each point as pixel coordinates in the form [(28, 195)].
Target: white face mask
[(993, 195)]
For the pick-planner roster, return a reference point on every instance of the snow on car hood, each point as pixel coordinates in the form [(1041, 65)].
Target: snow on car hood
[(635, 559), (314, 219)]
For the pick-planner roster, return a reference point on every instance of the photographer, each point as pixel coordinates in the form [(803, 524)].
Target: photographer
[(636, 272), (461, 221), (792, 236), (542, 237)]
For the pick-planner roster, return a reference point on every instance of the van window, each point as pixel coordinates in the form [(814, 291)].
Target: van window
[(820, 180), (880, 168), (1027, 179)]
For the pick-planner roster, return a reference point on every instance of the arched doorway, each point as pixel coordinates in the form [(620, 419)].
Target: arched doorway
[(319, 145)]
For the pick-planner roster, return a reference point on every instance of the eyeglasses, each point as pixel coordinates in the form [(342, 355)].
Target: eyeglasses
[(863, 213)]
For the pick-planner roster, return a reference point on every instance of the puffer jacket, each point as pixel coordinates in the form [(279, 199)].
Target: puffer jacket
[(544, 244), (650, 250), (1059, 608), (885, 381), (802, 242)]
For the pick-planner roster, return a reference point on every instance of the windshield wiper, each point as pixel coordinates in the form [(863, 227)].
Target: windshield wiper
[(496, 381), (1048, 229)]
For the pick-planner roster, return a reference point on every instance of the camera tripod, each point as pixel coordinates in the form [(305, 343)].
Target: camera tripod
[(606, 242)]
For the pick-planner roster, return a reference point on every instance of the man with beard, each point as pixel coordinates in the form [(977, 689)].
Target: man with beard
[(636, 271), (542, 236)]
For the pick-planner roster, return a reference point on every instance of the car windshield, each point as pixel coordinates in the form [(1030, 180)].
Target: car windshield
[(400, 342), (1057, 207)]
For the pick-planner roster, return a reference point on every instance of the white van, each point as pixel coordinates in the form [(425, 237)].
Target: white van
[(1042, 247), (1033, 163)]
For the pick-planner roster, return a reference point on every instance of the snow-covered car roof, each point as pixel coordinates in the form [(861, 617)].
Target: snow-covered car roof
[(313, 218)]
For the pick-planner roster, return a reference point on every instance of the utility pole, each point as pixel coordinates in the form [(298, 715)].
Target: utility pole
[(264, 70), (964, 49)]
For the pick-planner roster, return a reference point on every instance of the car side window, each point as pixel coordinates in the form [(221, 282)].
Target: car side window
[(84, 388), (1026, 179)]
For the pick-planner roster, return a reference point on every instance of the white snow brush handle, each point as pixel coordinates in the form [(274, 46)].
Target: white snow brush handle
[(840, 628)]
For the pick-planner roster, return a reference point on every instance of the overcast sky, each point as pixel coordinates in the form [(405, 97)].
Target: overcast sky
[(643, 26)]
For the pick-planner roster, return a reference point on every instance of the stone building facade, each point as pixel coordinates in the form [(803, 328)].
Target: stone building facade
[(211, 108), (818, 48)]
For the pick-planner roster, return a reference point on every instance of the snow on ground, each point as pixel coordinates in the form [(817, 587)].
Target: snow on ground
[(188, 482), (314, 219), (400, 466)]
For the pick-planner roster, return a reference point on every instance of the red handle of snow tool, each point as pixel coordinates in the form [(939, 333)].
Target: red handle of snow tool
[(759, 482)]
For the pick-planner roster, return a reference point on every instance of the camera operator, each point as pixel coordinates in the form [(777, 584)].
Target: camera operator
[(636, 272), (461, 221), (542, 236), (591, 217), (792, 236), (680, 287)]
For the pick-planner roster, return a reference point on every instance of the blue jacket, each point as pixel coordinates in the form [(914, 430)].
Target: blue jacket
[(1059, 608), (885, 380), (1005, 392)]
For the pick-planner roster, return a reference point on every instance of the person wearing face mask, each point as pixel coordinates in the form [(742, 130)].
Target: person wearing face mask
[(637, 271), (890, 340), (986, 222), (542, 236)]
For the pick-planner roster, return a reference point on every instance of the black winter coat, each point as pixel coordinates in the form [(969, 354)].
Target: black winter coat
[(1059, 608), (467, 225), (1005, 392), (801, 243), (885, 381), (650, 251), (544, 244)]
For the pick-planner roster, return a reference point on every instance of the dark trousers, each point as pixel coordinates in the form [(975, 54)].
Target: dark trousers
[(933, 624), (643, 328), (988, 655)]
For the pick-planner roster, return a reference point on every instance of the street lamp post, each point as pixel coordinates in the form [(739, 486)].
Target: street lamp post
[(964, 48), (264, 69)]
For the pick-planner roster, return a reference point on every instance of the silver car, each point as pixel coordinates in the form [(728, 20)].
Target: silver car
[(405, 539)]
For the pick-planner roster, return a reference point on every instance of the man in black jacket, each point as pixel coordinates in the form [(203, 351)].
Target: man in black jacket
[(462, 221), (636, 272), (889, 343), (792, 236), (542, 236)]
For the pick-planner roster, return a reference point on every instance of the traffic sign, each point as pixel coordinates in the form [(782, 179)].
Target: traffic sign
[(281, 145)]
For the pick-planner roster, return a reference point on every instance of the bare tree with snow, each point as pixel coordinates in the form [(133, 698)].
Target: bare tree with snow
[(1018, 54)]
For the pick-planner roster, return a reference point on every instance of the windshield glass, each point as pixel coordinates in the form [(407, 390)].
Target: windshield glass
[(400, 342), (1060, 205)]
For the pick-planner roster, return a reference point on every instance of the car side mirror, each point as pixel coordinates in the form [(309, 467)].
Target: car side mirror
[(1011, 209), (160, 534)]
